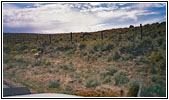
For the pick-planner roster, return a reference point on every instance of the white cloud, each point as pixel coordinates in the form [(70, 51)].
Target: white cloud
[(71, 17), (95, 3)]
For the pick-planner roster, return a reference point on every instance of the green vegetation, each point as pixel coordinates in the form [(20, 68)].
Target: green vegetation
[(111, 70), (116, 56), (134, 87), (121, 78), (92, 83), (55, 84)]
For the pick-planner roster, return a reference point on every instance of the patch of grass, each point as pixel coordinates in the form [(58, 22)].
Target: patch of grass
[(37, 63), (33, 50), (82, 46), (48, 63), (5, 60), (107, 80), (155, 91), (111, 70), (20, 60), (23, 47), (92, 83), (116, 56), (6, 49), (121, 78), (66, 67), (55, 84), (109, 59), (9, 67), (103, 74), (25, 51), (153, 69), (13, 52), (134, 88)]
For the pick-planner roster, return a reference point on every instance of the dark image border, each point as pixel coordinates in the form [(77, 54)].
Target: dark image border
[(91, 97)]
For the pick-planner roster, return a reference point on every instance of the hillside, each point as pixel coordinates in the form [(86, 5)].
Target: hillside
[(113, 64)]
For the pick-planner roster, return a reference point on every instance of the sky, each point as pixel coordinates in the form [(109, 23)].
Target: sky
[(78, 17)]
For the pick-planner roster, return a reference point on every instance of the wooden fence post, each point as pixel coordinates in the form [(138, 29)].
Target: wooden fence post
[(141, 30), (50, 38), (37, 38), (71, 36), (83, 36), (101, 34)]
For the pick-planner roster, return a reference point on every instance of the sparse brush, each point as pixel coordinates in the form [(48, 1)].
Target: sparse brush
[(33, 50), (116, 56), (134, 87), (13, 52), (120, 78), (9, 67), (55, 84), (111, 70), (20, 60), (92, 83), (25, 51)]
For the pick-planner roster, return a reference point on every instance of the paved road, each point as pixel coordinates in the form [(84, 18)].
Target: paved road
[(12, 91)]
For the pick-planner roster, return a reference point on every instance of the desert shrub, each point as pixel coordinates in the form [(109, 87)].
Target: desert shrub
[(66, 67), (13, 52), (25, 51), (143, 47), (33, 50), (55, 84), (32, 45), (97, 46), (108, 47), (111, 70), (153, 69), (128, 57), (157, 60), (20, 60), (82, 46), (5, 60), (68, 87), (160, 40), (6, 49), (107, 80), (65, 47), (37, 63), (116, 56), (9, 67), (162, 64), (155, 79), (70, 52), (131, 26), (17, 46), (92, 83), (157, 90), (109, 59), (23, 47), (134, 88), (120, 78), (103, 74), (47, 63)]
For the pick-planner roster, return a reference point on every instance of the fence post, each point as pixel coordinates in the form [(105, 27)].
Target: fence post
[(141, 30), (37, 38), (71, 36), (83, 36), (101, 33), (50, 38)]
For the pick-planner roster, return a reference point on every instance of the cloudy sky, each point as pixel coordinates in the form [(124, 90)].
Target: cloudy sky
[(78, 17)]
